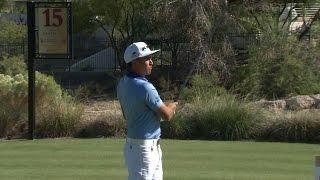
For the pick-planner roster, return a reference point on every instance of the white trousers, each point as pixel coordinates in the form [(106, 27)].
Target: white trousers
[(143, 161)]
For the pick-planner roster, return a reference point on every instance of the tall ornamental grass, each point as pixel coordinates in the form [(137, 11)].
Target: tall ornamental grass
[(214, 118), (294, 126), (211, 113), (223, 117)]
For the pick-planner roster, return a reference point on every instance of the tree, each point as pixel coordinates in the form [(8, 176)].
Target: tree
[(126, 20), (264, 16), (2, 2), (172, 25), (82, 16), (210, 24), (279, 65)]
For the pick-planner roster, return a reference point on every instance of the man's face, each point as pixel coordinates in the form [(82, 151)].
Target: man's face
[(144, 65)]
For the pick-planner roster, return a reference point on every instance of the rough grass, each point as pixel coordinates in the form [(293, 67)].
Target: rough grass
[(96, 159), (290, 126)]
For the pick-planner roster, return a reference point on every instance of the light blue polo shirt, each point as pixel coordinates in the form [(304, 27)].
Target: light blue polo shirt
[(139, 99)]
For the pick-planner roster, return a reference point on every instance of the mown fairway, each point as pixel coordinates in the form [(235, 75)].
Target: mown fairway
[(89, 159)]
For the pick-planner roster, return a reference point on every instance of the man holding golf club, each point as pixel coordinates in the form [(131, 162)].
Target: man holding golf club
[(143, 109)]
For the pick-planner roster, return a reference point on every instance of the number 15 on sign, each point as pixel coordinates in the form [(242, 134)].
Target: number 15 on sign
[(53, 15), (53, 30)]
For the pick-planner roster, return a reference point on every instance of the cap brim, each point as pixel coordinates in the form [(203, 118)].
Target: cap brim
[(155, 51), (149, 53)]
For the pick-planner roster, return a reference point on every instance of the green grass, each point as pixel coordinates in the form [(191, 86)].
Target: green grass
[(67, 159)]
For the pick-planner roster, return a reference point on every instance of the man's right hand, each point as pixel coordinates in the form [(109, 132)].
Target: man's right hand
[(167, 110)]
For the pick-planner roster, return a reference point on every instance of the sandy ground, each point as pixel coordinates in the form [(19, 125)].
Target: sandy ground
[(101, 107)]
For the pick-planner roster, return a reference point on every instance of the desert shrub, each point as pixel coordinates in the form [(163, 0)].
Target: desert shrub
[(211, 113), (223, 117), (82, 93), (95, 88), (300, 126), (12, 32), (58, 118), (13, 101), (180, 127), (278, 66), (88, 90), (107, 125), (12, 65), (220, 118), (202, 86), (57, 113)]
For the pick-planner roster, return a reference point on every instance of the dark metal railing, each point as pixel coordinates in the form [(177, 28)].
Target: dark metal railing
[(98, 55), (13, 48)]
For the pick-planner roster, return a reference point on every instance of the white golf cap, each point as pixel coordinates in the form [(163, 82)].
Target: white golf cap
[(137, 50)]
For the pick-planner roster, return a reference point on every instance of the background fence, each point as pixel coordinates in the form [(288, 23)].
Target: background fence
[(98, 55), (94, 57), (13, 48)]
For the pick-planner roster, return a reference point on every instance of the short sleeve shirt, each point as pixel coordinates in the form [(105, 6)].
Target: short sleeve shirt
[(139, 100)]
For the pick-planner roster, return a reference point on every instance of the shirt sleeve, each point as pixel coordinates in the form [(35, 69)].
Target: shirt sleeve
[(153, 99)]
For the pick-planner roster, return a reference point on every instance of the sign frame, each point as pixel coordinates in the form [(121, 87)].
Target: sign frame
[(37, 30), (33, 50)]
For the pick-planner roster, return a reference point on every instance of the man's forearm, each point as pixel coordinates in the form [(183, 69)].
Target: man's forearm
[(167, 110)]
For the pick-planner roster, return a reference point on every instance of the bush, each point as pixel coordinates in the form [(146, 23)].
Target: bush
[(57, 114), (219, 118), (12, 65), (180, 127), (13, 102), (211, 113), (90, 89), (58, 119), (108, 125), (99, 87), (12, 32), (203, 86), (300, 126), (277, 67)]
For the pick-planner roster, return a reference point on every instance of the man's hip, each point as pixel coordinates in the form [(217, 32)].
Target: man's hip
[(144, 142), (143, 159)]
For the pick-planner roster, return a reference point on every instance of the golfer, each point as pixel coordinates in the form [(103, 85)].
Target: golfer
[(143, 109)]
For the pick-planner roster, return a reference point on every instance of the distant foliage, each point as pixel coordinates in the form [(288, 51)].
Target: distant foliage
[(279, 66), (203, 86), (11, 32)]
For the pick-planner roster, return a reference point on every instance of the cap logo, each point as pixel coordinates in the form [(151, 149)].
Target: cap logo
[(144, 48)]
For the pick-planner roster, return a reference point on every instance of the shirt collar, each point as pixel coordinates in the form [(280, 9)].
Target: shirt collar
[(135, 75)]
